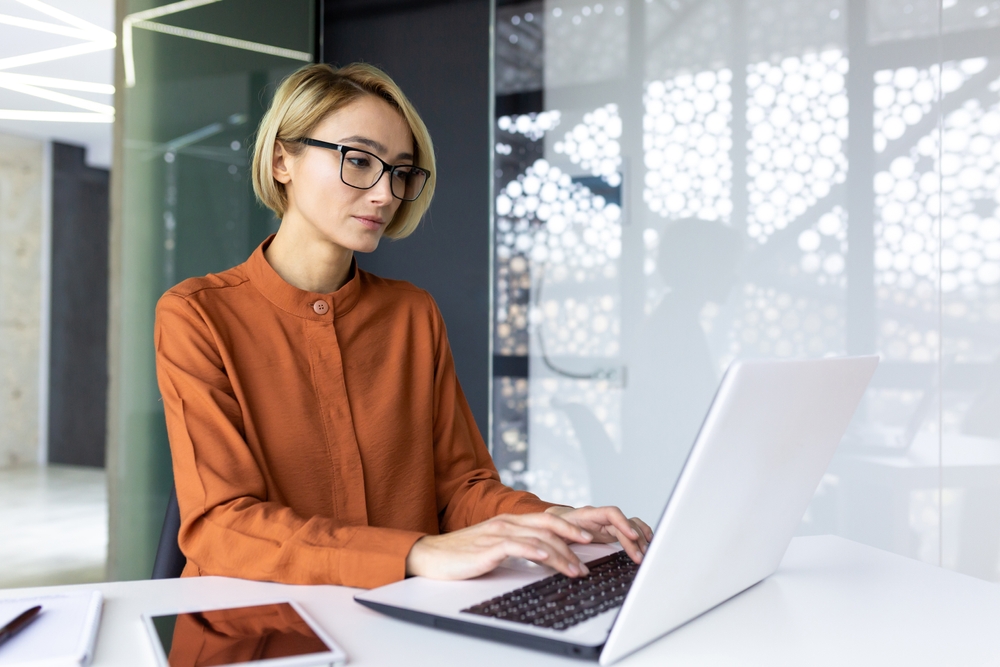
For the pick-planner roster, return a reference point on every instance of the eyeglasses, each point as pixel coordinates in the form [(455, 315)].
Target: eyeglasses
[(362, 170)]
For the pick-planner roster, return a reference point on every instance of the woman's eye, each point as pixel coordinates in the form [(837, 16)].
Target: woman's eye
[(359, 162)]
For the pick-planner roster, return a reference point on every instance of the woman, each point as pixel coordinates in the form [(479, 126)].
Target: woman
[(317, 428)]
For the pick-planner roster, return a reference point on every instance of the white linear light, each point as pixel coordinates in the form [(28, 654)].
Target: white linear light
[(43, 26), (97, 32), (166, 10), (224, 41), (141, 20), (193, 137), (53, 54), (56, 116), (60, 84), (62, 98), (95, 39)]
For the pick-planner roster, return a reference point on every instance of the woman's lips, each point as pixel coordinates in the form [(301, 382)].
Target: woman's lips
[(371, 223)]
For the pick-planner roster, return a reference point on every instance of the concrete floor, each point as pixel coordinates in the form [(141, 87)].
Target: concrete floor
[(53, 525)]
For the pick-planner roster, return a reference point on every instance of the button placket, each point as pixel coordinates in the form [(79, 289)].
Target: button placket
[(341, 435)]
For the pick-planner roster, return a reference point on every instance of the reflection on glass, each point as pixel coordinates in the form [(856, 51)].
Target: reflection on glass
[(200, 77), (681, 184), (235, 636)]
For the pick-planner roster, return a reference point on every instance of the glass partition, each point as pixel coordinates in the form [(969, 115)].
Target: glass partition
[(195, 79), (682, 183)]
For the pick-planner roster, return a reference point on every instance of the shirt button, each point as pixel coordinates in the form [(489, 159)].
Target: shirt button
[(321, 307)]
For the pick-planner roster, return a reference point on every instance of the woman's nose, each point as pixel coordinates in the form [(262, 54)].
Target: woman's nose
[(382, 190)]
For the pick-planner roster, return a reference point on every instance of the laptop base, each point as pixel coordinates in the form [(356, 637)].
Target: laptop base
[(591, 653)]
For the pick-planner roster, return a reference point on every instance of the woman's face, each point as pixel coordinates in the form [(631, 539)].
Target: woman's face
[(317, 197)]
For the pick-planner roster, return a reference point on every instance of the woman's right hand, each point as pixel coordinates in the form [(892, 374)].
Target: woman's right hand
[(476, 550)]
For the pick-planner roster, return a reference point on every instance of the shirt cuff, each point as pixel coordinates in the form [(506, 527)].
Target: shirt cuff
[(376, 557)]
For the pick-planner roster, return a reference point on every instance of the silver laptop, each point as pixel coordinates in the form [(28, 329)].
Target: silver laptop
[(767, 440)]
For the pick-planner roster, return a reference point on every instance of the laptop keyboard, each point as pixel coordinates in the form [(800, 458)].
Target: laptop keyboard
[(560, 602)]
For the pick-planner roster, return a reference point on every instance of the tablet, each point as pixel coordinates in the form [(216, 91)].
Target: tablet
[(277, 634)]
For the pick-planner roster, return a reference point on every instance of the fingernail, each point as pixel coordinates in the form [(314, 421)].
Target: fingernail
[(542, 554), (586, 535), (584, 569), (574, 570)]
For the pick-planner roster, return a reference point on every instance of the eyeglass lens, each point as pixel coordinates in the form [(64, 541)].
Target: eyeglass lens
[(361, 170)]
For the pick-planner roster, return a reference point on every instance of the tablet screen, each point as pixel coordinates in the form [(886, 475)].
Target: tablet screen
[(234, 636)]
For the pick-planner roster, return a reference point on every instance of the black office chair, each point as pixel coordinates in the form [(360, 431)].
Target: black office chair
[(170, 561)]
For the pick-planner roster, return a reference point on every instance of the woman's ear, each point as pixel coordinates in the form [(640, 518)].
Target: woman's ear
[(280, 159)]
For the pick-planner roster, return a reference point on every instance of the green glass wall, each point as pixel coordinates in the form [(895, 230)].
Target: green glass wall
[(194, 78)]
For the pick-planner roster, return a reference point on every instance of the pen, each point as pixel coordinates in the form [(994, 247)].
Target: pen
[(19, 623)]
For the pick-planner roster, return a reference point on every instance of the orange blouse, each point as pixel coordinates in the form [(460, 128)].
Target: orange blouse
[(316, 437)]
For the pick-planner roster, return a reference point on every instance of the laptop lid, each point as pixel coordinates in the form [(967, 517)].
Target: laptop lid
[(768, 438)]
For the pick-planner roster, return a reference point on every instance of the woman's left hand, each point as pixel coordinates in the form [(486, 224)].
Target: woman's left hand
[(608, 524)]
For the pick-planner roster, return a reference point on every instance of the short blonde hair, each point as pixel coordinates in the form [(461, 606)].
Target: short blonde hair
[(309, 95)]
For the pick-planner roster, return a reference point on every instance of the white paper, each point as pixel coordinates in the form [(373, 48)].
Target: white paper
[(63, 634)]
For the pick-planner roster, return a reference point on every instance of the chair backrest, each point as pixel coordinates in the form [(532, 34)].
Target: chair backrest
[(170, 561)]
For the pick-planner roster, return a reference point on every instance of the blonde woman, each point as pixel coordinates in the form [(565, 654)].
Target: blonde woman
[(317, 428)]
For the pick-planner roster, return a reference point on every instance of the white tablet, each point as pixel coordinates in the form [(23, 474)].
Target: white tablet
[(277, 634)]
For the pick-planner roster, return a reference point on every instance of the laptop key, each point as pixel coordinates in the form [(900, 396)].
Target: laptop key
[(559, 602)]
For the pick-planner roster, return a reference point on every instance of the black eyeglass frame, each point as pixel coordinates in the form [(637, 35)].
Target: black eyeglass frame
[(386, 167)]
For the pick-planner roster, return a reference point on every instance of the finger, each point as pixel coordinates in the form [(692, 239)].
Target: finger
[(554, 544), (521, 527), (543, 553), (631, 547), (627, 534), (556, 524), (615, 517), (642, 541), (646, 530)]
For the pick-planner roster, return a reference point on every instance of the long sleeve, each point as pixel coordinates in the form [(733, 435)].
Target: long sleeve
[(469, 489), (229, 524)]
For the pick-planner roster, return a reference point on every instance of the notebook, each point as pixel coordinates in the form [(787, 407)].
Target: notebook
[(63, 634)]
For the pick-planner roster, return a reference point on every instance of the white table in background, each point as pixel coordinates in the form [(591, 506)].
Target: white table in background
[(832, 602)]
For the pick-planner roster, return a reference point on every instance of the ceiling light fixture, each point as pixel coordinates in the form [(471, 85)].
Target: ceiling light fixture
[(97, 32), (59, 84), (95, 39), (62, 98), (56, 116), (53, 54), (43, 26)]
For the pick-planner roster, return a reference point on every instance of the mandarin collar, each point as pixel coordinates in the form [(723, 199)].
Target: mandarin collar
[(300, 302)]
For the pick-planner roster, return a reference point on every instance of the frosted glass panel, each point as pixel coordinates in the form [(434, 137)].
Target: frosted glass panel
[(679, 184), (969, 377)]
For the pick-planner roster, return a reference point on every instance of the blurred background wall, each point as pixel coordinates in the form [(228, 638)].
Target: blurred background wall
[(438, 52), (23, 190)]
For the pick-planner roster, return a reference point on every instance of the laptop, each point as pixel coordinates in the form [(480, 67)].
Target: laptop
[(762, 449)]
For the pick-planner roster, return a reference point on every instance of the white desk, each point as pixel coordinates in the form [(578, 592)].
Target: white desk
[(832, 602), (876, 492)]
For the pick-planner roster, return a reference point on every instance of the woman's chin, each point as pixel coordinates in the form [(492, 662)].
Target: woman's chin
[(367, 241), (355, 240), (367, 247)]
